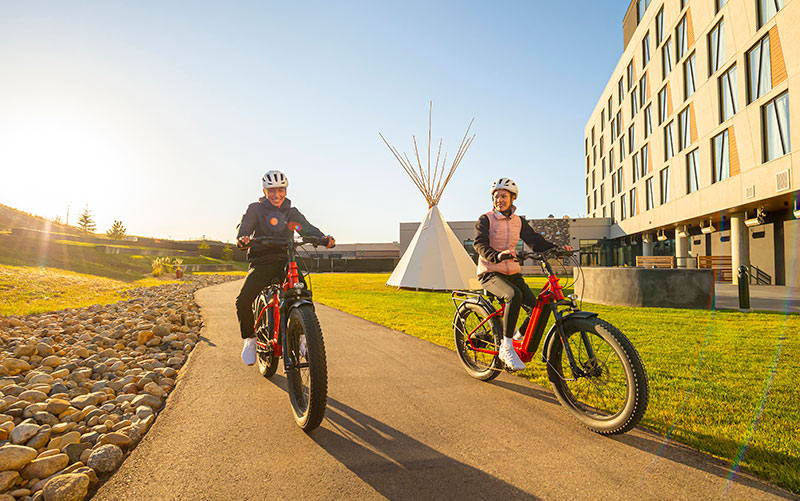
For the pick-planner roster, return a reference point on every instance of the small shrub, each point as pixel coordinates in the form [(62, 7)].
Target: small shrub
[(227, 253), (159, 264), (204, 248)]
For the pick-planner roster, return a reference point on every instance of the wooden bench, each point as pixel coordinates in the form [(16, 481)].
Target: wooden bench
[(723, 269), (655, 261)]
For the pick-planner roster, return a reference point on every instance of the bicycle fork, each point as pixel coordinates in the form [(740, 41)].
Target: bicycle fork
[(577, 371)]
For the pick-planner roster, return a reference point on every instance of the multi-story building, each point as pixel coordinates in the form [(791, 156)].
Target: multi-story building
[(689, 149)]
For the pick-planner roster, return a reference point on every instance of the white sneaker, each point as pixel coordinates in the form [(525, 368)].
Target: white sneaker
[(509, 356), (249, 351), (518, 336)]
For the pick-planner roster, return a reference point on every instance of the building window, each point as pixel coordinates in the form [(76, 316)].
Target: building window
[(587, 164), (648, 123), (619, 123), (659, 27), (669, 141), (619, 180), (666, 58), (645, 154), (689, 82), (592, 136), (684, 128), (594, 197), (588, 205), (610, 105), (630, 74), (727, 94), (601, 146), (603, 167), (664, 177), (634, 102), (612, 212), (613, 184), (645, 49), (759, 70), (632, 196), (621, 90), (716, 47), (631, 139), (622, 212), (611, 159), (692, 178), (649, 201), (776, 127), (622, 148), (592, 179), (718, 4), (662, 105), (767, 9), (641, 6), (635, 168), (681, 40), (643, 89), (719, 147), (594, 155)]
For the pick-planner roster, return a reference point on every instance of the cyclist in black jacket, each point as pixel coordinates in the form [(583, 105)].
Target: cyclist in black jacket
[(268, 217)]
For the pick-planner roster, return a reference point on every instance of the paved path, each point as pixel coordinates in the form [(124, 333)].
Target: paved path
[(404, 421), (762, 297)]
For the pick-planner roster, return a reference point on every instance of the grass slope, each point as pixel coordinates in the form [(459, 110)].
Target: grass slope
[(722, 382), (27, 290)]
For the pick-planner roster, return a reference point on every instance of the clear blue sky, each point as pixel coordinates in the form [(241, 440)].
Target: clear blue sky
[(166, 114)]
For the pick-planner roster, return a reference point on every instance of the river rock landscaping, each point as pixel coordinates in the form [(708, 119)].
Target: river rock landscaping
[(80, 387)]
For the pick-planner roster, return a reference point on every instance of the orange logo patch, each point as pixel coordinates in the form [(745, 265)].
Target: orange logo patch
[(273, 221)]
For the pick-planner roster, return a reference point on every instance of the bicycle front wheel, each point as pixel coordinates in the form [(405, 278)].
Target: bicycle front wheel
[(307, 375), (609, 395), (265, 358)]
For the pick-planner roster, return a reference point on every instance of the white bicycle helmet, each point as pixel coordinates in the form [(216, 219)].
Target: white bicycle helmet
[(274, 179), (505, 183)]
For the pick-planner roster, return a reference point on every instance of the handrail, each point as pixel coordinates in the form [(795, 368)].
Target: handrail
[(759, 276)]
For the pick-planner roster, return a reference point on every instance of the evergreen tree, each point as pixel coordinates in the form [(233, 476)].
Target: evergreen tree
[(86, 221), (227, 253), (117, 231), (204, 248)]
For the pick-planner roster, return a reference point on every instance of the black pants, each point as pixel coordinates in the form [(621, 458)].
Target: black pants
[(515, 292), (259, 276)]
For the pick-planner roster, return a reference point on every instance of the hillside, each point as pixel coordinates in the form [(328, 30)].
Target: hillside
[(13, 218)]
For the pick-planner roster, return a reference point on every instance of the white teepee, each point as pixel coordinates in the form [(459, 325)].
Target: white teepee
[(435, 259)]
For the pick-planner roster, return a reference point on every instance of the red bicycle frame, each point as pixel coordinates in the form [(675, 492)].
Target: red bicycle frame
[(550, 294)]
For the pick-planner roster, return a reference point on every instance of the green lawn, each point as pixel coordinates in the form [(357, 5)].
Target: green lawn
[(27, 290), (722, 382)]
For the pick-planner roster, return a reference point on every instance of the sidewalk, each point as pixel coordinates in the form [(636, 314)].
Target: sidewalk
[(762, 297)]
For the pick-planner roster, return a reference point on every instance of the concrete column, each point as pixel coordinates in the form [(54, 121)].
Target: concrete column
[(681, 252), (647, 247), (740, 244)]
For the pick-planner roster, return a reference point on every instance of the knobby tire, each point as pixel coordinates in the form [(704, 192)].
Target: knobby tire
[(308, 398)]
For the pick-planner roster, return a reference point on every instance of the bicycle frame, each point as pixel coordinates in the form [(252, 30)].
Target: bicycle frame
[(550, 297), (280, 300)]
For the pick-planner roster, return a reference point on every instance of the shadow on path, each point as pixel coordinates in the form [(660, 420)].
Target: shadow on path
[(396, 465)]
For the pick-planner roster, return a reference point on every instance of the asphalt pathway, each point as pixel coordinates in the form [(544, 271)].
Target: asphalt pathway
[(404, 421)]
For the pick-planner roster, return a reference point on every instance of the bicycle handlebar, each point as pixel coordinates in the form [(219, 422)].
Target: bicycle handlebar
[(539, 256), (285, 242)]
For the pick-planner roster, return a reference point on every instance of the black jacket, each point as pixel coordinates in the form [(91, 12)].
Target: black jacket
[(262, 219), (481, 244)]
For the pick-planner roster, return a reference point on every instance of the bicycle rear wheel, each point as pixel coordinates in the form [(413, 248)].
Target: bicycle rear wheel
[(612, 396), (265, 358), (308, 376), (468, 318)]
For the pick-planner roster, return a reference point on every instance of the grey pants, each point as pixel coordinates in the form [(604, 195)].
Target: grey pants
[(515, 292)]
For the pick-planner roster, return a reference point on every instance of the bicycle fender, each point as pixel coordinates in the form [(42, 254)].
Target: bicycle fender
[(553, 332), (297, 303)]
